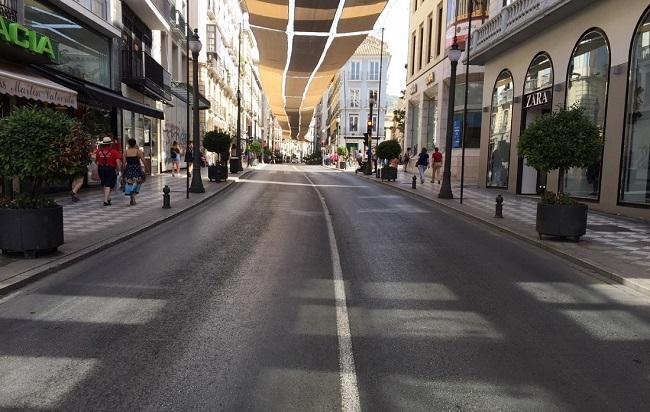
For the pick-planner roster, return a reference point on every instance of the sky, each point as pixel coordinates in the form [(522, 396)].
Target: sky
[(395, 20)]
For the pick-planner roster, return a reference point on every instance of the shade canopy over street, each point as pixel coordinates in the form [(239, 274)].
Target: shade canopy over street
[(302, 44)]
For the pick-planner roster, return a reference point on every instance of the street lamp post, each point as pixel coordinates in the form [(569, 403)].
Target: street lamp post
[(445, 189), (371, 102), (195, 47)]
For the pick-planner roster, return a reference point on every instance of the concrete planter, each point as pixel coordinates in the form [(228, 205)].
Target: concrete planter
[(388, 173), (561, 220), (30, 231), (217, 172)]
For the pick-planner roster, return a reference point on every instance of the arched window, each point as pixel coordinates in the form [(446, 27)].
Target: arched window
[(635, 185), (540, 74), (500, 126), (587, 81)]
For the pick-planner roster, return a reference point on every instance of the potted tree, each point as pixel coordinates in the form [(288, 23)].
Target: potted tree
[(255, 148), (38, 145), (561, 140), (388, 150), (218, 142), (342, 151)]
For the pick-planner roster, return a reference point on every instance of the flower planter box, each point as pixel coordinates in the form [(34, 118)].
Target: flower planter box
[(31, 231), (561, 220), (217, 173), (388, 173)]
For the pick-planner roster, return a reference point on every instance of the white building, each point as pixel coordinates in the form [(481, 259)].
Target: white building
[(347, 100)]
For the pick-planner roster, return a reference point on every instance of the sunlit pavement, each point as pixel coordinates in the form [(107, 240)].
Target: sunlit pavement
[(308, 289)]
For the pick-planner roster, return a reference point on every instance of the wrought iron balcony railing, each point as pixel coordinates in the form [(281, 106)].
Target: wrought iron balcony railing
[(144, 73), (9, 9)]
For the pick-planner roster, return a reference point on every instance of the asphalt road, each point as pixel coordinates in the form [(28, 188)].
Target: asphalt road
[(271, 298)]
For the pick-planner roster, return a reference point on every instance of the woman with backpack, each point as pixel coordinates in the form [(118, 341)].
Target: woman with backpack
[(108, 163)]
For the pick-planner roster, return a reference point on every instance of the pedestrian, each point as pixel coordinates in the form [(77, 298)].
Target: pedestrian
[(175, 153), (134, 174), (79, 180), (189, 159), (108, 163), (407, 157), (436, 165), (423, 163)]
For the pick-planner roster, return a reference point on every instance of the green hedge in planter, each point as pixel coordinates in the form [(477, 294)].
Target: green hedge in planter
[(217, 141), (389, 149), (41, 145)]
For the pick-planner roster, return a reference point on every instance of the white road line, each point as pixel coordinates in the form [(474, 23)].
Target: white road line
[(349, 389)]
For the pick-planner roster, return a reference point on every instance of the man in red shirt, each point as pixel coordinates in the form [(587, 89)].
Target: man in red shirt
[(109, 161), (436, 164)]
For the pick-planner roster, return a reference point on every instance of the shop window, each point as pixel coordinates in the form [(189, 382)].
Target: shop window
[(500, 127), (540, 74), (82, 52), (635, 184), (587, 81)]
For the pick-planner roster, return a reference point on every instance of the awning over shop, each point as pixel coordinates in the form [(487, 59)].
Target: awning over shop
[(17, 81), (98, 95), (180, 90), (302, 45)]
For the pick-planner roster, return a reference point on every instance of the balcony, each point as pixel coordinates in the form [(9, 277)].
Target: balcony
[(98, 7), (153, 13), (176, 20), (9, 9), (519, 21), (143, 73)]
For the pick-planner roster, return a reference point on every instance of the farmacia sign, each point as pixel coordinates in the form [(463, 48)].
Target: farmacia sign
[(26, 38)]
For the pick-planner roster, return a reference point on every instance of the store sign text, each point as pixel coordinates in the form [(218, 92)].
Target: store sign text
[(538, 98), (24, 37)]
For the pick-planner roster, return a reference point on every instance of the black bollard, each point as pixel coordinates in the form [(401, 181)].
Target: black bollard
[(414, 182), (166, 198), (499, 207)]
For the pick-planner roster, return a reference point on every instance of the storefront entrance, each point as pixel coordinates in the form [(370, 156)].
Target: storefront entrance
[(530, 181)]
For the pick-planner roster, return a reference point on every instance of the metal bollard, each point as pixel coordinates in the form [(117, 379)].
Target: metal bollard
[(166, 198), (414, 182), (499, 207)]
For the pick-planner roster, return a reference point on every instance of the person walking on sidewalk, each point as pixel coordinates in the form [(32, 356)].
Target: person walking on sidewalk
[(133, 170), (108, 163), (423, 163), (189, 159), (436, 165), (407, 158)]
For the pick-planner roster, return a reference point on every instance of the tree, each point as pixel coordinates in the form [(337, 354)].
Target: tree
[(389, 149), (342, 151), (218, 141), (399, 116), (561, 140), (42, 145)]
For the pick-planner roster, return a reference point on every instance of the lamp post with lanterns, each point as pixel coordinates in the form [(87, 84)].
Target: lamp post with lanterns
[(195, 47), (371, 102), (454, 54)]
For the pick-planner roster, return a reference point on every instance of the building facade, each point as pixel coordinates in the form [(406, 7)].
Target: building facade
[(433, 27), (348, 99), (601, 63)]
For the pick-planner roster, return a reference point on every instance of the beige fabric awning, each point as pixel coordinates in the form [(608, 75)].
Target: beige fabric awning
[(302, 44), (16, 81)]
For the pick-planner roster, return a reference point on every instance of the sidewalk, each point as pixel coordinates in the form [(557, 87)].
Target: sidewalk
[(90, 227), (615, 247)]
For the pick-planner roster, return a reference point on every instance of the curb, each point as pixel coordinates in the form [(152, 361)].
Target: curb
[(611, 275), (32, 275)]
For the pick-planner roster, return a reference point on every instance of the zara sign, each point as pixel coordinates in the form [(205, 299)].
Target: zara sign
[(538, 98)]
